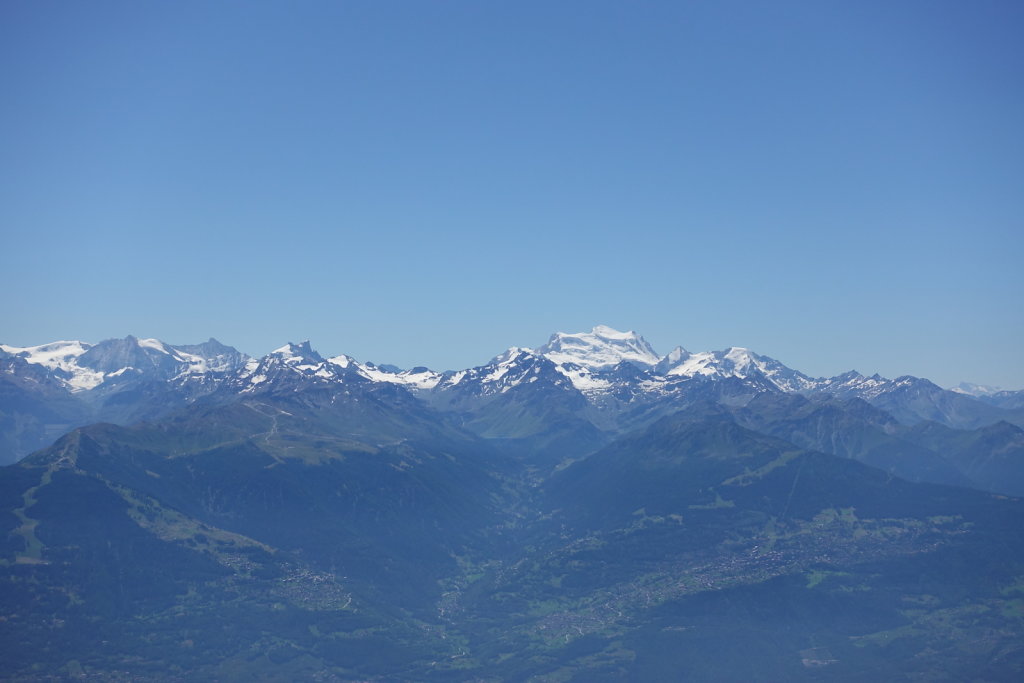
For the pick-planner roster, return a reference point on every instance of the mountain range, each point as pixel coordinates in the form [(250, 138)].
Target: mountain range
[(586, 510), (571, 394)]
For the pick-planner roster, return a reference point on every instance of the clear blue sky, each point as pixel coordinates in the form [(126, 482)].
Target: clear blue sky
[(835, 184)]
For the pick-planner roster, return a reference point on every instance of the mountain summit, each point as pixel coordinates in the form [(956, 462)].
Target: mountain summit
[(600, 349)]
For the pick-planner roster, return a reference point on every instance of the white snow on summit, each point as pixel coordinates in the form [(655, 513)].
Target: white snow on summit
[(583, 357), (701, 363), (65, 359), (417, 378), (735, 361), (286, 352), (55, 355), (63, 356), (600, 349), (975, 390), (853, 383), (156, 345), (504, 362), (298, 356), (197, 365), (342, 361)]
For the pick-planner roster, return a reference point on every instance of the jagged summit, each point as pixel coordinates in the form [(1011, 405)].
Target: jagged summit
[(513, 353), (600, 349), (301, 353), (671, 360)]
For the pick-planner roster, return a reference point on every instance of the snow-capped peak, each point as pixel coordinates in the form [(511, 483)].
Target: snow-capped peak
[(61, 356), (210, 356), (290, 361), (297, 354), (735, 361), (503, 362), (342, 361), (55, 355), (742, 360), (512, 354), (671, 360), (600, 349), (418, 378), (971, 389), (81, 366)]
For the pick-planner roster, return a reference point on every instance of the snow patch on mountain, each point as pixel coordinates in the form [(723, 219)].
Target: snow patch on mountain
[(194, 365), (701, 363), (418, 378), (504, 362), (156, 345), (250, 367), (515, 367), (341, 361), (456, 377), (853, 384), (210, 356), (584, 379)]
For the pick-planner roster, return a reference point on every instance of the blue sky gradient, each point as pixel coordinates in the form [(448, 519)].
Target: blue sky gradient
[(836, 185)]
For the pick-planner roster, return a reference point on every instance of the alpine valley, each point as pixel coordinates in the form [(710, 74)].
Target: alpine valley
[(587, 510)]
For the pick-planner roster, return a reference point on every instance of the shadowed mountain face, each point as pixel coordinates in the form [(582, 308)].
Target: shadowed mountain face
[(311, 534), (991, 457), (238, 518), (912, 400), (35, 409)]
